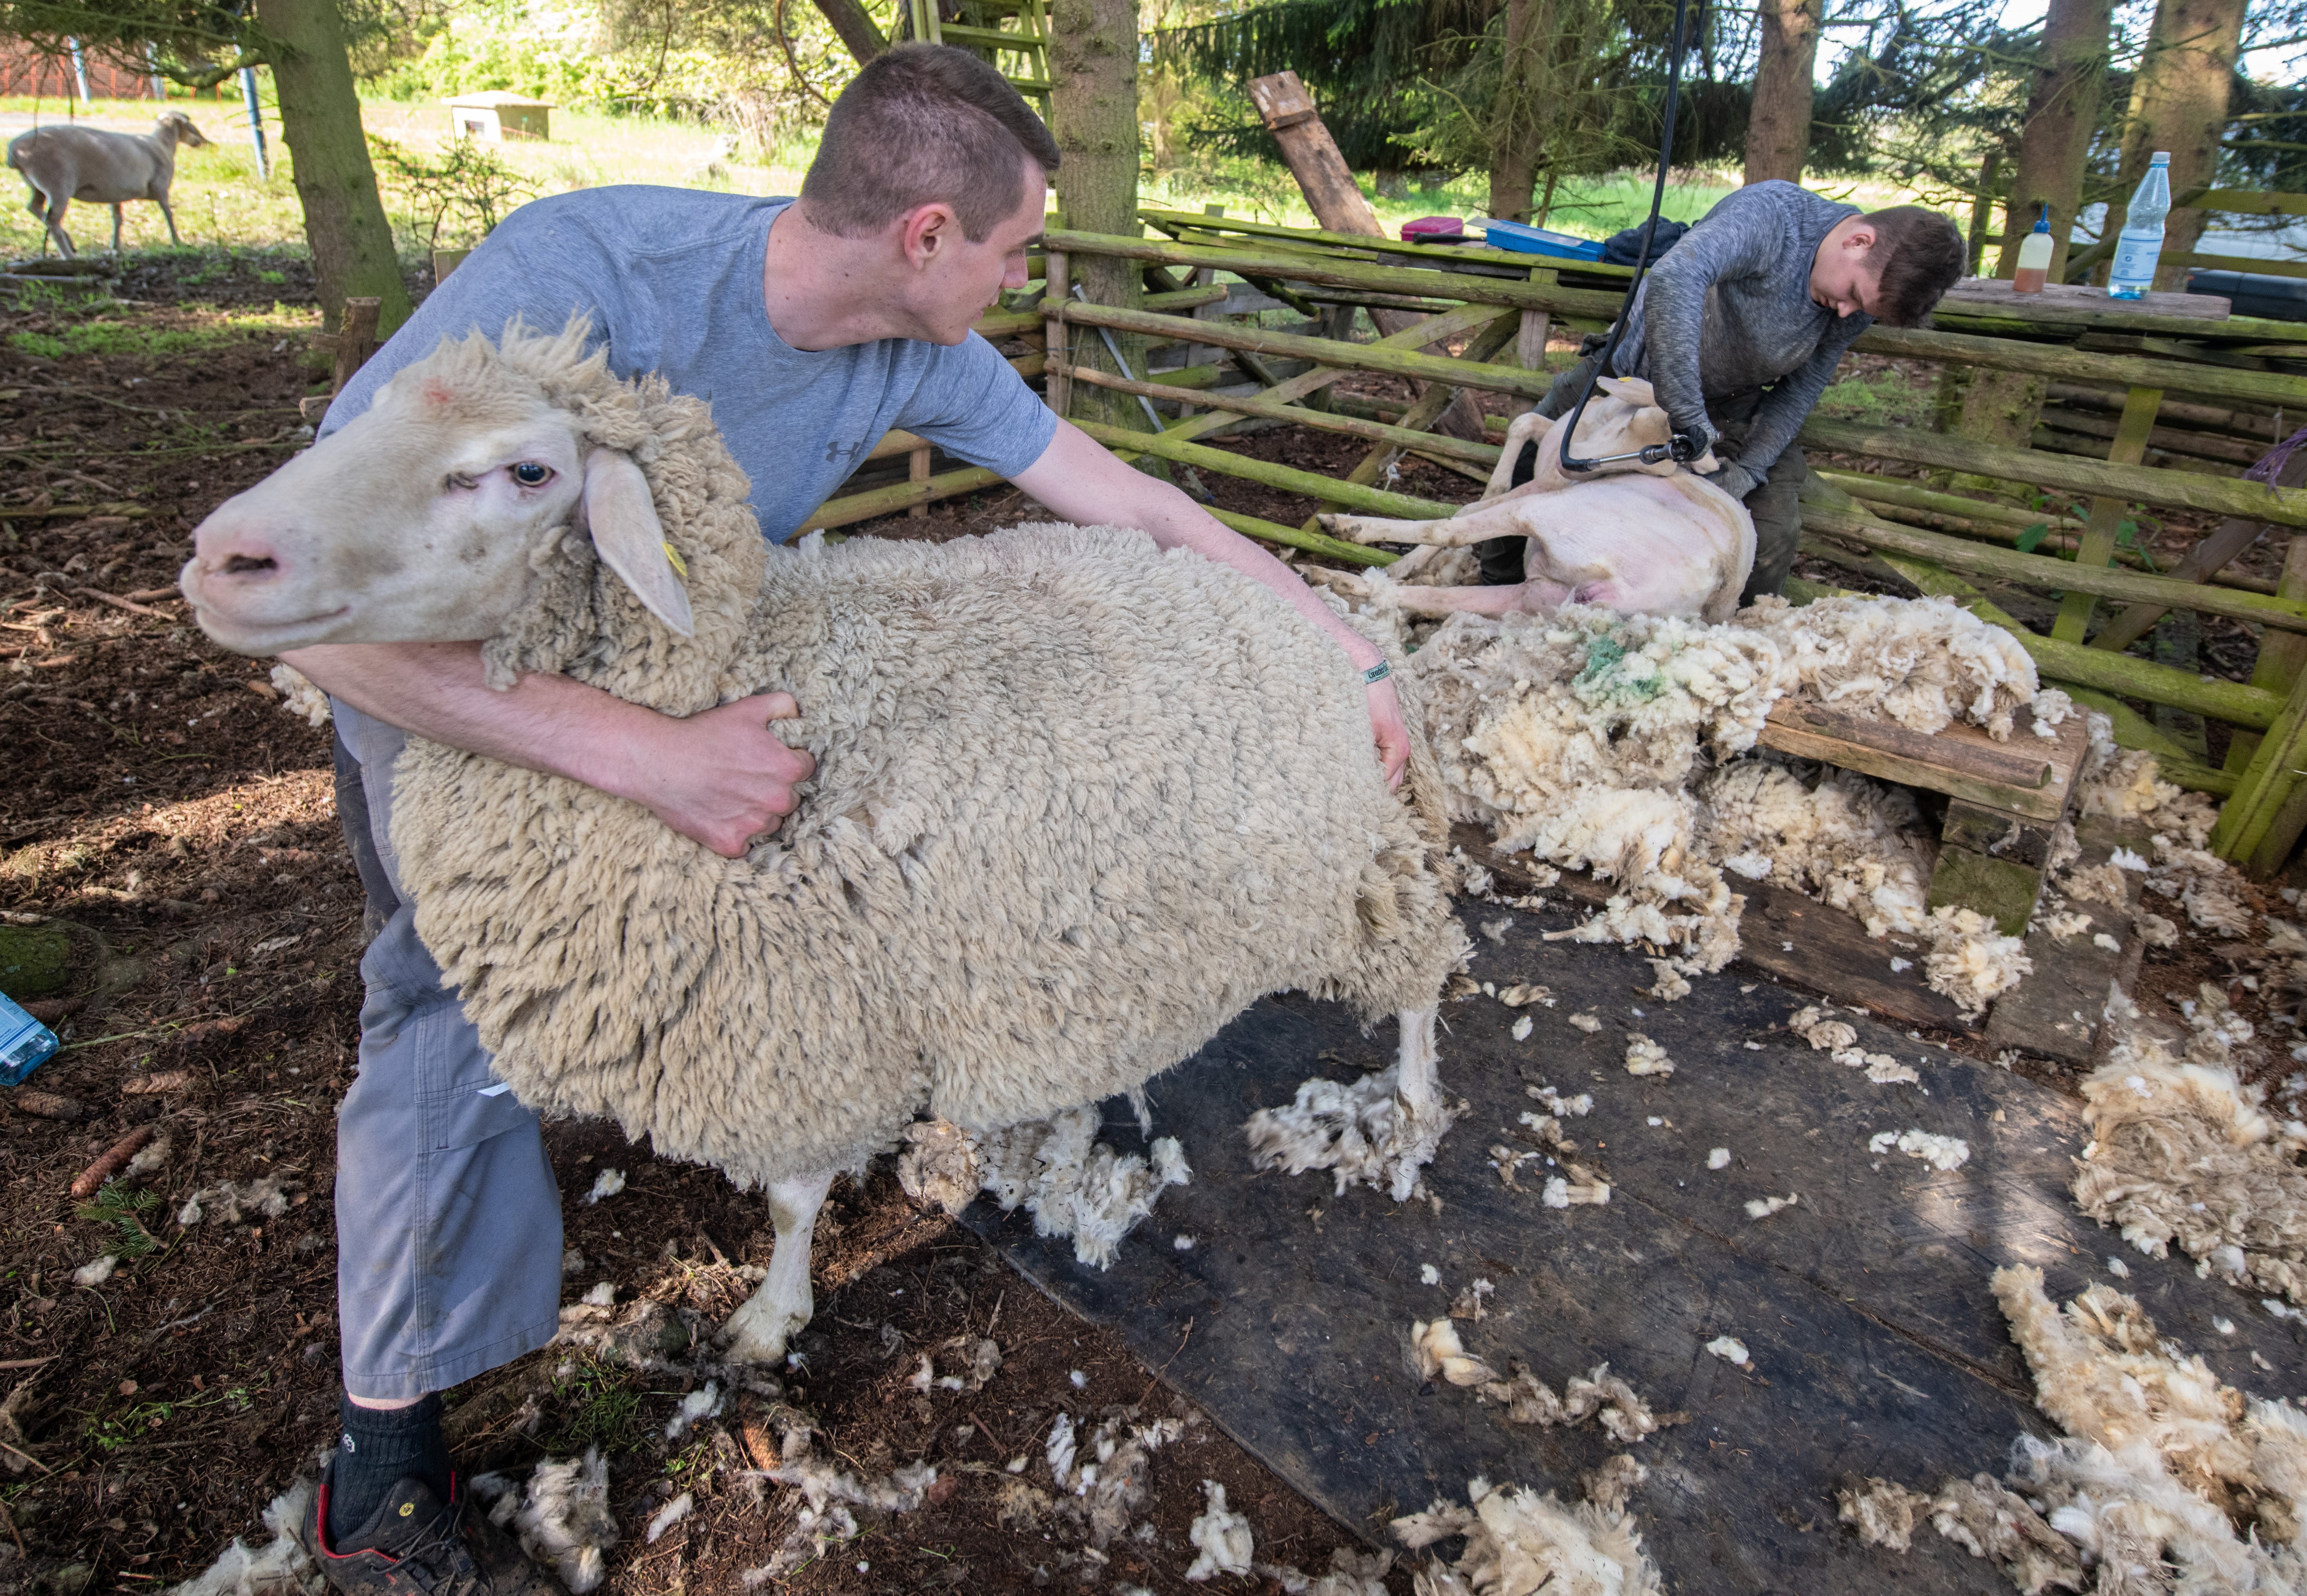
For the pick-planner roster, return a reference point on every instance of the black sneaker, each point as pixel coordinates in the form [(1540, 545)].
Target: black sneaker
[(413, 1546)]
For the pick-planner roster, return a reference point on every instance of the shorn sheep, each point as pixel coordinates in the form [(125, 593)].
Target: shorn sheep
[(64, 164), (1078, 802), (1650, 539)]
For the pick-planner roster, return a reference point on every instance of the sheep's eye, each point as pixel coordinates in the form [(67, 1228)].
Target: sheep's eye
[(531, 474)]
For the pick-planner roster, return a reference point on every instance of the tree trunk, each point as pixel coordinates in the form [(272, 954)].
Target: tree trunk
[(1778, 130), (1093, 116), (2179, 103), (2053, 143), (858, 34), (1517, 131), (345, 224), (2062, 111)]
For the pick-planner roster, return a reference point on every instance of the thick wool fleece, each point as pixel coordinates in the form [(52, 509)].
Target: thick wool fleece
[(1078, 803)]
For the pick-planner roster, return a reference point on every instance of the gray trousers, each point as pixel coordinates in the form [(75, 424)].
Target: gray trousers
[(448, 1215), (1778, 518)]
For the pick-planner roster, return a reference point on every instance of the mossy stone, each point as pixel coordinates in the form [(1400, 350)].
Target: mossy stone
[(34, 960), (2004, 892)]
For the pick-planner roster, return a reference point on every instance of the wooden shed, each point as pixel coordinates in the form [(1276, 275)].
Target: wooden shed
[(497, 115)]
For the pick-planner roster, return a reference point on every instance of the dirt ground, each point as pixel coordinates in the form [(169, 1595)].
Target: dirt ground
[(167, 813)]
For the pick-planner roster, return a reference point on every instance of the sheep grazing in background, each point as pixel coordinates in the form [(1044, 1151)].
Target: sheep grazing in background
[(2165, 1480), (64, 164), (1655, 540), (935, 931)]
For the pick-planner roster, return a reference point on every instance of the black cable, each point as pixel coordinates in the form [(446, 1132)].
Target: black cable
[(1683, 447)]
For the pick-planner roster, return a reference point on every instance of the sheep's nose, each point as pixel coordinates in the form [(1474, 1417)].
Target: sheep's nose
[(242, 554)]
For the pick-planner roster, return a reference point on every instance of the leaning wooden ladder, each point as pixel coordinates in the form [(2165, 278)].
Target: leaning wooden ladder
[(1028, 41)]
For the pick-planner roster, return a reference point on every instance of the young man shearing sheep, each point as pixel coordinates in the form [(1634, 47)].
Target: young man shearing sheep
[(1738, 329), (814, 327)]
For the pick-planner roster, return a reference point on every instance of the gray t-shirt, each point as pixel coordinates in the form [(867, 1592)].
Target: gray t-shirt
[(1728, 310), (671, 278)]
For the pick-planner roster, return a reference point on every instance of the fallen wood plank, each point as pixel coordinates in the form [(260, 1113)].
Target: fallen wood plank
[(2027, 767), (1783, 934)]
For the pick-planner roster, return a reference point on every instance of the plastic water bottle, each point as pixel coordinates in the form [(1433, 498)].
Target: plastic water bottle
[(2035, 257), (25, 1043), (2140, 243)]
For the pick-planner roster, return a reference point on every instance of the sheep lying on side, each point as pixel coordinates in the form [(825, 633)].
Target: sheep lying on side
[(1640, 539), (1078, 802)]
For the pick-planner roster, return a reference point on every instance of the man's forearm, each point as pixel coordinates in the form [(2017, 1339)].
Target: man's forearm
[(436, 690)]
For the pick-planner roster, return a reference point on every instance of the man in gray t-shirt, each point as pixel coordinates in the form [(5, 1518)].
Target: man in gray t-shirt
[(814, 326), (1739, 327)]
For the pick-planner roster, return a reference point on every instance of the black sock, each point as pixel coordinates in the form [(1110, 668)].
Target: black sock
[(379, 1448)]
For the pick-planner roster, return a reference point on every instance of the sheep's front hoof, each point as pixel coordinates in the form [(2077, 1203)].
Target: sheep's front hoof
[(759, 1332)]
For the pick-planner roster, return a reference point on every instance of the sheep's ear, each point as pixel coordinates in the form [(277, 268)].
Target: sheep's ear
[(1632, 389), (630, 538)]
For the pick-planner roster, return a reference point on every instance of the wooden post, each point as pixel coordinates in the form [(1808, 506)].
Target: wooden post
[(2097, 545), (1057, 388), (917, 469), (355, 339), (2281, 654), (1312, 155)]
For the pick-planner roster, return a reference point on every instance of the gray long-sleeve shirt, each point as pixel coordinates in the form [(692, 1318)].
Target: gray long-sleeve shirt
[(1728, 310)]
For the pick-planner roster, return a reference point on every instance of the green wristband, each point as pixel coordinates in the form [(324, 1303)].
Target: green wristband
[(1377, 673)]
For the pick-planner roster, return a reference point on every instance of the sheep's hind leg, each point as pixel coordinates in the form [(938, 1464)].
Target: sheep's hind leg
[(757, 1332), (1419, 1086), (1423, 1117)]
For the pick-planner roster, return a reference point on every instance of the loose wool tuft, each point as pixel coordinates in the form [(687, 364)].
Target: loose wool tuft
[(1519, 1542), (1078, 803), (2179, 1154)]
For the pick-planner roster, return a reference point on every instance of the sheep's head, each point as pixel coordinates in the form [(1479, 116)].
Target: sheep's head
[(179, 126), (1622, 417), (427, 519)]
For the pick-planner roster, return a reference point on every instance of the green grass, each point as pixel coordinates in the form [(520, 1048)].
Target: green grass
[(1883, 398), (110, 333), (604, 1406)]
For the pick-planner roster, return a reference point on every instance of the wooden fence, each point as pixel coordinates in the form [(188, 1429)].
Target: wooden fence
[(2204, 397)]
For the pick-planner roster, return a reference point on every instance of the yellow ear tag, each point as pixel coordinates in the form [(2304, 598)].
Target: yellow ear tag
[(407, 1508), (679, 565)]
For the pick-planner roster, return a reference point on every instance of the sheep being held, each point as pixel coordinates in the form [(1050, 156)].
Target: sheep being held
[(1640, 539), (1077, 802)]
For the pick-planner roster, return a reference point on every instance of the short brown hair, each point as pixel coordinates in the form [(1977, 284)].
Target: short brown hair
[(922, 122), (1921, 256)]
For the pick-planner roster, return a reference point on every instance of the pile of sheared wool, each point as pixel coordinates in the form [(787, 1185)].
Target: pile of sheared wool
[(2181, 1152), (1574, 735), (1605, 742), (2162, 1470), (1924, 662), (1518, 1542), (1071, 1183), (1848, 842)]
